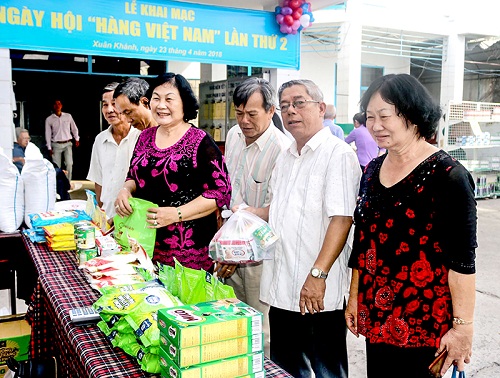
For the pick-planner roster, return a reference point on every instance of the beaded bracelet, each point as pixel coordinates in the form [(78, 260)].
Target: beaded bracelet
[(179, 214)]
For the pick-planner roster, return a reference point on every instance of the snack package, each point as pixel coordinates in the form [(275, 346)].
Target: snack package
[(53, 217), (133, 231), (97, 214), (243, 238)]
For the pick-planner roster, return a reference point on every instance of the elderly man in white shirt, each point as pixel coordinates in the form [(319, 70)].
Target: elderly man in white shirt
[(111, 153), (314, 188), (252, 148)]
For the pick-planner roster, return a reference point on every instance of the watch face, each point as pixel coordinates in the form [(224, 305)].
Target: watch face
[(315, 272)]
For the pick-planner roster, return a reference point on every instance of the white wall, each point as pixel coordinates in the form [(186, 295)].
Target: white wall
[(6, 105), (391, 64), (320, 69)]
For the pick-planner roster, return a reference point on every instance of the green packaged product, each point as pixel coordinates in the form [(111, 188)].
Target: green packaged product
[(209, 322)]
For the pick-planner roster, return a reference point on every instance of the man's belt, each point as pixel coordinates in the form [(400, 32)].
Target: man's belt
[(62, 141)]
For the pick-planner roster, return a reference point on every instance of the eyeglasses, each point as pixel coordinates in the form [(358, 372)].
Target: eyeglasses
[(299, 104)]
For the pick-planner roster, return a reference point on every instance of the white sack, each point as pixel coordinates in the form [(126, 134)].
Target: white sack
[(39, 178), (11, 197)]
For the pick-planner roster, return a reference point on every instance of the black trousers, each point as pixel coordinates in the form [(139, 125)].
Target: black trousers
[(301, 344), (390, 361)]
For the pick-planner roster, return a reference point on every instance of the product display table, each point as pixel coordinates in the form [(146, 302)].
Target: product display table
[(82, 351)]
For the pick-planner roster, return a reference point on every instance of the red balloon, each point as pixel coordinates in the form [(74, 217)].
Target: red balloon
[(296, 15), (294, 4), (288, 20)]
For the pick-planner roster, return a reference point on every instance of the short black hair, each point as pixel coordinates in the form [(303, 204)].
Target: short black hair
[(250, 86), (360, 117), (412, 101), (190, 103)]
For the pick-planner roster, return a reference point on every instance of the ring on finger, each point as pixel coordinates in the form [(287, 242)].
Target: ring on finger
[(154, 216), (117, 206), (155, 223)]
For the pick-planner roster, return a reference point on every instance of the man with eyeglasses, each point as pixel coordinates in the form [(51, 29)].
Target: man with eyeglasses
[(314, 187), (252, 147), (23, 138)]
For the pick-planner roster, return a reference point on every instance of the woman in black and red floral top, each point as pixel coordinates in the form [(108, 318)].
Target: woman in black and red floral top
[(413, 284)]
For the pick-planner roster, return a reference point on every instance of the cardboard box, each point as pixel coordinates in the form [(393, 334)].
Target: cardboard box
[(210, 352), (250, 365), (209, 322), (15, 334)]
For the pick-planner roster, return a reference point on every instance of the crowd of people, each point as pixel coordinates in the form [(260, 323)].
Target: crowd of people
[(379, 241)]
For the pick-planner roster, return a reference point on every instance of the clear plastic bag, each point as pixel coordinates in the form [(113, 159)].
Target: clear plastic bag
[(243, 238)]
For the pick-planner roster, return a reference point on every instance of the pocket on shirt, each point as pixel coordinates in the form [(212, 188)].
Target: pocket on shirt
[(257, 190)]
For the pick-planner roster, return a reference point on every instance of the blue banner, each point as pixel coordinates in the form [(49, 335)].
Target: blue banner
[(162, 30)]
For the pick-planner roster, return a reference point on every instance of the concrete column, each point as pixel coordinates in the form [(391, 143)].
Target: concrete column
[(190, 70), (278, 76), (7, 103), (212, 72), (349, 63), (452, 78), (452, 73)]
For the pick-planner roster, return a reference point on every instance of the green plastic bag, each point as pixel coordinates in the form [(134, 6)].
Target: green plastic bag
[(134, 228)]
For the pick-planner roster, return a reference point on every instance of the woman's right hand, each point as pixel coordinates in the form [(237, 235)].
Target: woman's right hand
[(351, 315), (122, 205)]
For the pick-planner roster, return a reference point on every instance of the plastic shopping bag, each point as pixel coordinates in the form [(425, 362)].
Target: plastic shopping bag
[(243, 238), (132, 232)]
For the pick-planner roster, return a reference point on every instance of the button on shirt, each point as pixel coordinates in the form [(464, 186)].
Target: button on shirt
[(307, 190), (250, 167), (59, 129), (109, 165)]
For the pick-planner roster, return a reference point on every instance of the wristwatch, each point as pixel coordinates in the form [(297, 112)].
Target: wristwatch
[(318, 273)]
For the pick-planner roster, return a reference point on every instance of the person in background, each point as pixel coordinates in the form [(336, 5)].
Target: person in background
[(366, 147), (252, 147), (314, 186), (131, 100), (413, 262), (180, 168), (330, 115), (23, 138), (111, 153), (60, 128)]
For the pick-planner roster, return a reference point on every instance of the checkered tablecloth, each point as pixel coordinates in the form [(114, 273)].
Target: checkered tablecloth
[(47, 261), (82, 351)]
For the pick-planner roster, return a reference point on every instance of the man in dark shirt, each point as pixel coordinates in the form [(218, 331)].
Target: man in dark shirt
[(23, 138)]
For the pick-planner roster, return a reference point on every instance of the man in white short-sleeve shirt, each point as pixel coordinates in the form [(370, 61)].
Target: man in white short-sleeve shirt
[(111, 153), (314, 188), (252, 148)]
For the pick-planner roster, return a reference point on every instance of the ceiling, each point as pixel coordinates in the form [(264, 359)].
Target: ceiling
[(265, 4)]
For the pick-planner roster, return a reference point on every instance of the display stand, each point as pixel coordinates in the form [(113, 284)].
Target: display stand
[(471, 133)]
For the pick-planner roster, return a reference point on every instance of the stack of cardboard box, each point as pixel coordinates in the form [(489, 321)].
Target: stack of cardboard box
[(218, 339)]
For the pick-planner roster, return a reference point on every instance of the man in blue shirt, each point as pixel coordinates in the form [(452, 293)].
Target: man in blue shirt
[(23, 138), (330, 114)]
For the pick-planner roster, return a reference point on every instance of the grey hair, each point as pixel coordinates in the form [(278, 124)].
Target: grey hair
[(311, 88), (330, 112), (133, 88), (110, 87), (19, 131), (246, 89)]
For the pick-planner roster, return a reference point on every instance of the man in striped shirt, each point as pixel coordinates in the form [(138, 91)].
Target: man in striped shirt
[(252, 148)]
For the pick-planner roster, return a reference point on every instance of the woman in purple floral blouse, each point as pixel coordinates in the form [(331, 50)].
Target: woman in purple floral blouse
[(413, 260), (180, 168)]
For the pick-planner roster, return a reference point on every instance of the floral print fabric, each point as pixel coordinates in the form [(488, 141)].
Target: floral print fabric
[(174, 176), (405, 243)]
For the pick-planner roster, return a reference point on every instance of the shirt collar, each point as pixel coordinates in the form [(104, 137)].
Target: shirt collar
[(262, 140), (109, 135), (313, 143)]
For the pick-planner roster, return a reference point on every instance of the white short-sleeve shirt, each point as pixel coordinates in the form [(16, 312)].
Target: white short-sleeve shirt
[(307, 190), (109, 165)]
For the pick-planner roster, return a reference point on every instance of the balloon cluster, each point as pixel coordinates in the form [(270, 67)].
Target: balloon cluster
[(293, 15)]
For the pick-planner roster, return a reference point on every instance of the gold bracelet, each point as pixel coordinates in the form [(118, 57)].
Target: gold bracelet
[(461, 321), (179, 214)]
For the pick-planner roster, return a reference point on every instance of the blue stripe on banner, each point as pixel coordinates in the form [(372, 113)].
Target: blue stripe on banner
[(158, 30)]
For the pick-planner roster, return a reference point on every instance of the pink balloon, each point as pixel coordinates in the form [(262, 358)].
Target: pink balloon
[(284, 28), (279, 18), (296, 25)]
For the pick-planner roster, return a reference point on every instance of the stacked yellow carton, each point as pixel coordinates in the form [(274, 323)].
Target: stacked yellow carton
[(218, 339)]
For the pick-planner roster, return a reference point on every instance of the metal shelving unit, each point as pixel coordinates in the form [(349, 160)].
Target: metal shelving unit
[(471, 133)]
